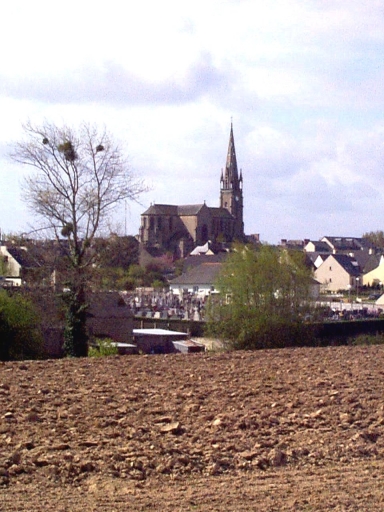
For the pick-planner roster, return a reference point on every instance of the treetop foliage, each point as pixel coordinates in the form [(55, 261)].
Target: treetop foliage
[(376, 238), (264, 294)]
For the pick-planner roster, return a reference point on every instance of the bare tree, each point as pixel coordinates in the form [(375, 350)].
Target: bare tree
[(80, 176)]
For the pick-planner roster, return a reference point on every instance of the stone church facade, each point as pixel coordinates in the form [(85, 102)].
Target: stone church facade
[(180, 228)]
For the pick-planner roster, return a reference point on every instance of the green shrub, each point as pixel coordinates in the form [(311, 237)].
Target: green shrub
[(367, 339), (20, 331), (104, 347)]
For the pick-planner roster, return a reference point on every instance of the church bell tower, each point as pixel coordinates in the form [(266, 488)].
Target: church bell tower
[(231, 189)]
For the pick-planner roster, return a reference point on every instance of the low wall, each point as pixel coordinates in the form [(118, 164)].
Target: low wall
[(327, 333)]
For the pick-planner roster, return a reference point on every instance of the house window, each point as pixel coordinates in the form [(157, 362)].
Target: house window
[(330, 268)]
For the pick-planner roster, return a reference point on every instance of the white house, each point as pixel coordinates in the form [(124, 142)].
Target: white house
[(199, 280)]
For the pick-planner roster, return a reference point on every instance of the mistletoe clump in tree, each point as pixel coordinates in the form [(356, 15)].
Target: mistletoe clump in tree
[(80, 176)]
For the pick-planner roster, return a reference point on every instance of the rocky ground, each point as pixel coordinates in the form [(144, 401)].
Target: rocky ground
[(295, 429)]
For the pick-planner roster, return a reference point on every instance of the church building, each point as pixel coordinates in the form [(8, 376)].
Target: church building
[(180, 228)]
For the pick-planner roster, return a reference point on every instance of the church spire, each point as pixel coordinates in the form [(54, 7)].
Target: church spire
[(231, 189), (231, 175)]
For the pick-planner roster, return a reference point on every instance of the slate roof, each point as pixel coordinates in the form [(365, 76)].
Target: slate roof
[(161, 209), (23, 257), (341, 243), (321, 246), (221, 212), (171, 209), (192, 261), (372, 263), (185, 210), (189, 209), (366, 261), (348, 263), (204, 274)]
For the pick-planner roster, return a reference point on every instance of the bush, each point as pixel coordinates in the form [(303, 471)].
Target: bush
[(367, 339), (104, 347), (20, 329)]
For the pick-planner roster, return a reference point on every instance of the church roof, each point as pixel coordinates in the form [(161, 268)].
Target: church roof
[(221, 212), (161, 209), (170, 209), (189, 209)]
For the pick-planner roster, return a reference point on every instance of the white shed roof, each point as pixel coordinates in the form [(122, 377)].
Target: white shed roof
[(157, 332)]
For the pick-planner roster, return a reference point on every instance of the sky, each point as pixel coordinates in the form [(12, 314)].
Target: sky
[(301, 80)]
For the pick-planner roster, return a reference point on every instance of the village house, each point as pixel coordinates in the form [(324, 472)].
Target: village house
[(347, 245), (18, 266), (376, 276), (338, 272), (199, 280)]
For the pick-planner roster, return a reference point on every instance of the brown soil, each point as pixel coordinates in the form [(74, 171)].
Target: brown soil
[(295, 429)]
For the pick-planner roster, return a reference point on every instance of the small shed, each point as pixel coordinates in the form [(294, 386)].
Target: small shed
[(188, 346), (157, 341)]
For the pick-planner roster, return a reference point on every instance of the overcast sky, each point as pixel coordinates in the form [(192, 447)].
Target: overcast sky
[(301, 79)]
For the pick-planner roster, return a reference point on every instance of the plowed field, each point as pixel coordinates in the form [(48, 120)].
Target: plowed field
[(294, 429)]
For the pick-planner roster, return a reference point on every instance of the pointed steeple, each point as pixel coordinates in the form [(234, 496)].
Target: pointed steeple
[(231, 189), (231, 175)]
